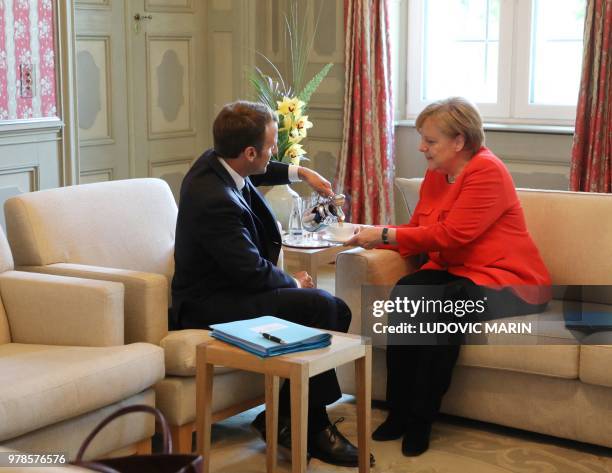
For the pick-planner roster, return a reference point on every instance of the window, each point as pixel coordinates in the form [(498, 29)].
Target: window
[(461, 40), (519, 60)]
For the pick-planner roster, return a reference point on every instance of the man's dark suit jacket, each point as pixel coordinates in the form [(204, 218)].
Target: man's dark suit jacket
[(222, 243)]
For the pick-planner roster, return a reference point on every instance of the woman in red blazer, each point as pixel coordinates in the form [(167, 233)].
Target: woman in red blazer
[(470, 223)]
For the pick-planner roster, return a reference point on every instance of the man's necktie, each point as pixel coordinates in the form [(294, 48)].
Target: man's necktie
[(246, 193)]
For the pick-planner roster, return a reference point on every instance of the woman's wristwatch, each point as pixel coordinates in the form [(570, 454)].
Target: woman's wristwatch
[(385, 236)]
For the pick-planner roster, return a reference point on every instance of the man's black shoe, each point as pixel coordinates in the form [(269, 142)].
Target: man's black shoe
[(416, 439), (330, 446), (284, 432)]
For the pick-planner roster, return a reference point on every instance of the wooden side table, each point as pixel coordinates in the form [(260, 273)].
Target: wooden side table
[(298, 368), (309, 259)]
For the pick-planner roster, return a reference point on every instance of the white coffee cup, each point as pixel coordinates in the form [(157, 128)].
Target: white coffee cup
[(341, 231)]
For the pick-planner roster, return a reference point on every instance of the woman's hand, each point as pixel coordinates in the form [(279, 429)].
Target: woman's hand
[(366, 236)]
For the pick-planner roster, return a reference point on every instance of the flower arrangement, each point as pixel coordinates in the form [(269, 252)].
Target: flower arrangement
[(290, 101)]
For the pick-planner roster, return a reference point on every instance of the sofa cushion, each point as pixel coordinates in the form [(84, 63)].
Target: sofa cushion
[(596, 359), (557, 361), (547, 328), (175, 396), (5, 332), (67, 436), (6, 264), (133, 227), (595, 363), (41, 384), (409, 190), (550, 350), (567, 227), (6, 257)]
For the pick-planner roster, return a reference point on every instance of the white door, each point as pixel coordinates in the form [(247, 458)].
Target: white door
[(166, 60), (101, 90)]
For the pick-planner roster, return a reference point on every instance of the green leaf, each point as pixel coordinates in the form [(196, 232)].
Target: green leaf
[(314, 84), (282, 87), (267, 90), (263, 91)]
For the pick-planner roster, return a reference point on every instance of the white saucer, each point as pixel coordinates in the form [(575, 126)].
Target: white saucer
[(307, 243), (329, 237)]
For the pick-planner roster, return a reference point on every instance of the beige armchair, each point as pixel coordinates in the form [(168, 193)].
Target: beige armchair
[(64, 367), (123, 231)]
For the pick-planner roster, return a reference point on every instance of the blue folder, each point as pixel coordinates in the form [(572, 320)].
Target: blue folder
[(247, 334)]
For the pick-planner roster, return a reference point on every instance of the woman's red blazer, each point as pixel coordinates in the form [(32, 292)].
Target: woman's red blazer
[(475, 228)]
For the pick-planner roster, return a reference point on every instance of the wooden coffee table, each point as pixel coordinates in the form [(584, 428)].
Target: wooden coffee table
[(298, 368)]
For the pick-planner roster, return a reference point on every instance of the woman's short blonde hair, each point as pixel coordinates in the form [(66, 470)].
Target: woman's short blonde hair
[(455, 116)]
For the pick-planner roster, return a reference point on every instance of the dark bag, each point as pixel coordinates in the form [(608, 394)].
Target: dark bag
[(165, 462)]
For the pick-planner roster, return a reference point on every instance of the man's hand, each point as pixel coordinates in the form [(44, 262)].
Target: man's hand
[(316, 181), (304, 280)]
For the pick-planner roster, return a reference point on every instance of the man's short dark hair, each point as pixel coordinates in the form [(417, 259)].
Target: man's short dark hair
[(239, 125)]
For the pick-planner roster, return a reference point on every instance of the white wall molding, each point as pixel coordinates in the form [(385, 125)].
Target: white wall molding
[(31, 126), (67, 91), (511, 127)]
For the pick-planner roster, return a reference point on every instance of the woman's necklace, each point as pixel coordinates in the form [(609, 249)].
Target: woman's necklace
[(451, 179)]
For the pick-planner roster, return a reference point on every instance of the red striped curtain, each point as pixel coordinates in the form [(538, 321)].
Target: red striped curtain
[(365, 168), (591, 161)]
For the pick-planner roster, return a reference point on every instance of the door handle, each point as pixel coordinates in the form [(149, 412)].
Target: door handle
[(138, 18)]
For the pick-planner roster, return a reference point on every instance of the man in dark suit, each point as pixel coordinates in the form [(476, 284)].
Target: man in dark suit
[(227, 247)]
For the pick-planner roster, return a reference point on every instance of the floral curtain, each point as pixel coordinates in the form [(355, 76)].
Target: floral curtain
[(591, 161), (365, 168)]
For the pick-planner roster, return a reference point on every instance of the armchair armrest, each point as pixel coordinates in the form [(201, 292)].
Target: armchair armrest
[(146, 297), (180, 350), (55, 310), (357, 267)]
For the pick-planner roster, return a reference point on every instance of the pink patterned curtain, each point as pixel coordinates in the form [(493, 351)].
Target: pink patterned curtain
[(591, 160), (365, 169)]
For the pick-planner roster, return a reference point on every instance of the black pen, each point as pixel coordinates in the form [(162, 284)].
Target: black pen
[(272, 338)]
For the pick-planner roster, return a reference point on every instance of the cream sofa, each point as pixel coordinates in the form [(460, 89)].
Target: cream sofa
[(560, 382), (123, 231), (64, 367)]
